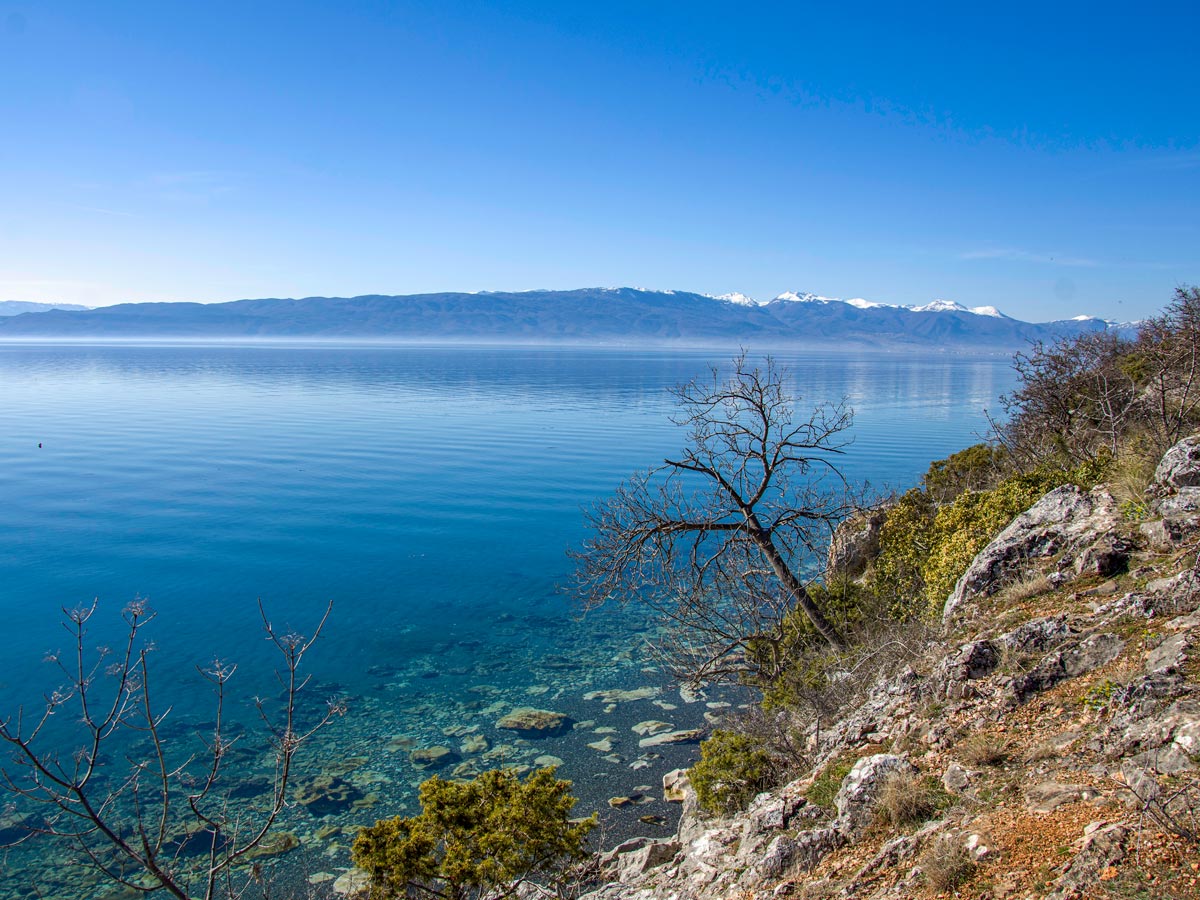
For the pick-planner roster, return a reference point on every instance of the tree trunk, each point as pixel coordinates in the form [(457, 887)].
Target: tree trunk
[(789, 580)]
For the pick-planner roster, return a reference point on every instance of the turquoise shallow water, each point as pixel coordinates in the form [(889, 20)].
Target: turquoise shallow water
[(430, 493)]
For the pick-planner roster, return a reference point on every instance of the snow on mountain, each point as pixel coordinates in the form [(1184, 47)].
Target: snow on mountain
[(940, 306), (739, 299), (806, 297), (860, 303)]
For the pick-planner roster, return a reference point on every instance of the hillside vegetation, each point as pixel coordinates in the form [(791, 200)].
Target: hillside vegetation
[(1018, 712)]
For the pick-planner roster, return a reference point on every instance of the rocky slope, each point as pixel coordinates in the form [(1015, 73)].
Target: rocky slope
[(1045, 746)]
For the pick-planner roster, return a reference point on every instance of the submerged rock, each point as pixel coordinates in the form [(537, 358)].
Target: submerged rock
[(535, 723), (687, 736), (619, 696), (324, 795), (433, 757)]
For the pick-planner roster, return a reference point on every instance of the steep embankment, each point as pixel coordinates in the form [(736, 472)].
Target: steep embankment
[(1045, 746)]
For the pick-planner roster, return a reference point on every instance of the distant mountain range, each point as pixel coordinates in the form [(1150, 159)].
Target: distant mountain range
[(16, 307), (604, 316)]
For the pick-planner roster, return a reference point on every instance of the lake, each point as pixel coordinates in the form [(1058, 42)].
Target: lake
[(430, 493)]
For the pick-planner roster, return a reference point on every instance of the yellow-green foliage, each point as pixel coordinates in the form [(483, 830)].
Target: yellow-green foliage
[(965, 527), (473, 837), (905, 540), (976, 468), (733, 768), (924, 548)]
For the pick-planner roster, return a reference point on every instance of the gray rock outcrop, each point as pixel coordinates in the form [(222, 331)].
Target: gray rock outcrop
[(1180, 466), (858, 797), (855, 543), (1064, 519)]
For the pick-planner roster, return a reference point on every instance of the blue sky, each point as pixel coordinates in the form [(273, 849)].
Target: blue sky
[(1041, 158)]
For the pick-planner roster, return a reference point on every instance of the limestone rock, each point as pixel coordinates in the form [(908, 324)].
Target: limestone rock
[(651, 727), (1165, 742), (352, 882), (676, 785), (1169, 656), (1168, 533), (859, 794), (1180, 466), (686, 736), (956, 779), (535, 723), (1050, 795), (433, 757), (650, 855), (1108, 556), (855, 543), (808, 848), (1065, 518), (971, 661), (1103, 848), (1069, 662), (1181, 506), (778, 858)]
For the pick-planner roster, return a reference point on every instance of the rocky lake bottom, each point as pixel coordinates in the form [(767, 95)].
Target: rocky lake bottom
[(430, 494)]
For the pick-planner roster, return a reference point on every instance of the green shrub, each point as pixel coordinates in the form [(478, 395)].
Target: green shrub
[(976, 468), (823, 791), (732, 770), (474, 838), (967, 525), (905, 539), (925, 548)]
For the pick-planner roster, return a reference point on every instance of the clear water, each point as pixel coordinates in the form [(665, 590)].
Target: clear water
[(430, 493)]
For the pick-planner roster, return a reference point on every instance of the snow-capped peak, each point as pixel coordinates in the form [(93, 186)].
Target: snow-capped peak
[(940, 306), (739, 299), (987, 311), (867, 304), (1082, 318), (806, 297)]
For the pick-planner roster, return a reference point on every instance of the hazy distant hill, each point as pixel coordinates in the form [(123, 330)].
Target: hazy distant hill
[(587, 316), (16, 307)]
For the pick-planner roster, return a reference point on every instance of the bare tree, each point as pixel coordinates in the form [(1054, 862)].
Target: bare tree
[(717, 539), (1075, 399), (1168, 352), (167, 822)]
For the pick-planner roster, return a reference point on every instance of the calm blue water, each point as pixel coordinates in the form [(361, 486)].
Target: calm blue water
[(429, 493)]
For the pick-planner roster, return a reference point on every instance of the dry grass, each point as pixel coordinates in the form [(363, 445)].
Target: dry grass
[(1034, 584), (907, 799), (946, 863), (985, 750)]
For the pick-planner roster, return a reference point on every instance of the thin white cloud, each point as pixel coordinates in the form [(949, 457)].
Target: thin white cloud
[(198, 184), (104, 210), (1015, 255)]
